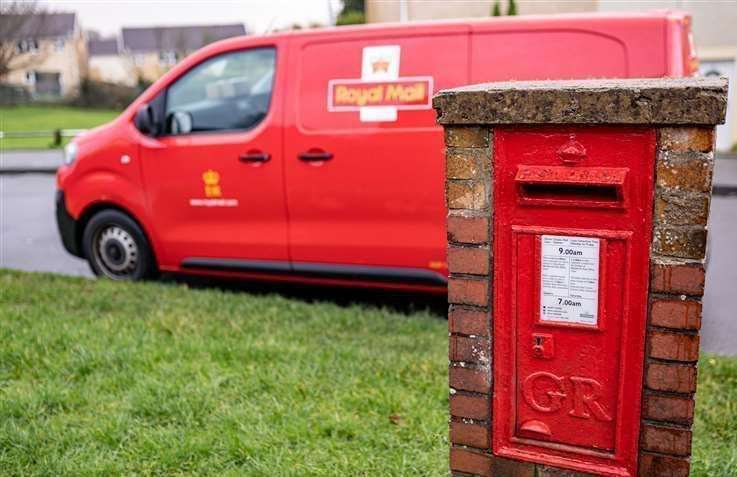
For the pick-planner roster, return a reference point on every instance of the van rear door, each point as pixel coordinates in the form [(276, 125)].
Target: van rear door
[(363, 156), (569, 47)]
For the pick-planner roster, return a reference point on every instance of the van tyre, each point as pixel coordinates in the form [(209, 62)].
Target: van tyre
[(116, 247)]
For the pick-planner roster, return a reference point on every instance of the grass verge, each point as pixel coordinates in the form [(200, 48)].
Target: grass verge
[(715, 426), (102, 378), (46, 118)]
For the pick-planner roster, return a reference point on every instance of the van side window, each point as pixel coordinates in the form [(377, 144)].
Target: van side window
[(228, 92)]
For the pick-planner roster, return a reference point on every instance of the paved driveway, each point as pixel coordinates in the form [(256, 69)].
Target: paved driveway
[(23, 161)]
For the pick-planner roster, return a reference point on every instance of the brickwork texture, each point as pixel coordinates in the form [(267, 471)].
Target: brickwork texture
[(468, 161), (683, 170)]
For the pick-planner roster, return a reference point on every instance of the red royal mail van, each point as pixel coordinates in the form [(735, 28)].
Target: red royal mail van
[(314, 156)]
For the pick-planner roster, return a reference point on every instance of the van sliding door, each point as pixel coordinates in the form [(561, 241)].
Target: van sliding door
[(364, 158)]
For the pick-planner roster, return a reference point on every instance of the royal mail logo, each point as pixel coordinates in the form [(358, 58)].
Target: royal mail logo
[(213, 192), (380, 91), (404, 94), (212, 183)]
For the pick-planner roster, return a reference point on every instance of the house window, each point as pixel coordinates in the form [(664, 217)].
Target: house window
[(30, 77), (59, 44), (168, 58), (27, 46)]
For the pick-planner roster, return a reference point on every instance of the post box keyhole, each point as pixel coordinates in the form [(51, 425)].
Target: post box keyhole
[(542, 346)]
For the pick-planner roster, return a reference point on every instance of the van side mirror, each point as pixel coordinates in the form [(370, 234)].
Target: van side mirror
[(145, 120), (179, 122)]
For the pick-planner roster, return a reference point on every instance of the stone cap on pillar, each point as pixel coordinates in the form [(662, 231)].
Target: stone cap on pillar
[(650, 101)]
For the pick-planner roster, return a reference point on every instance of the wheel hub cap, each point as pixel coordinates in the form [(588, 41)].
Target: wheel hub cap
[(117, 251)]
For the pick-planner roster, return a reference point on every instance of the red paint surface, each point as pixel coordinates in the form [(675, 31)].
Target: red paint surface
[(379, 200), (568, 394)]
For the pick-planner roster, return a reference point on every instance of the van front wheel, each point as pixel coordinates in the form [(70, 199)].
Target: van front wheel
[(116, 247)]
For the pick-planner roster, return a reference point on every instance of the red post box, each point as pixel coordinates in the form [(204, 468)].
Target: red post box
[(573, 209), (561, 356)]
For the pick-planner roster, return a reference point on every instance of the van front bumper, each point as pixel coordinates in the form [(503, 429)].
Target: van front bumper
[(67, 226)]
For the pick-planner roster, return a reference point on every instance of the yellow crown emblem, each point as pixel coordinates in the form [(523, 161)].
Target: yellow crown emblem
[(212, 183), (380, 66), (211, 177)]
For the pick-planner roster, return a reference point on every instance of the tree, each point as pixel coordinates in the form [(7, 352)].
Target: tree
[(353, 12), (512, 8), (354, 5), (496, 10), (20, 22)]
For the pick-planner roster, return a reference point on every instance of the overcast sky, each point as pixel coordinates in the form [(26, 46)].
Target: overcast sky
[(107, 16)]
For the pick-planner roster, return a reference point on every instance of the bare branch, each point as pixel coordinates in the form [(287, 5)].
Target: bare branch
[(19, 21)]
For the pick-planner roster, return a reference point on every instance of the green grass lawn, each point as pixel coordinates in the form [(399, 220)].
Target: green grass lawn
[(45, 118), (102, 378)]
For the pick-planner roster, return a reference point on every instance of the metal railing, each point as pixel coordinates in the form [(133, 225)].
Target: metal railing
[(57, 135)]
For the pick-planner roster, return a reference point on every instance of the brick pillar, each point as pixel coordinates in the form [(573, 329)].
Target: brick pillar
[(682, 114), (468, 189), (684, 165)]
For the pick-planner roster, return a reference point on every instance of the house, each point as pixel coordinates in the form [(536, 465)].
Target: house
[(108, 64), (714, 32), (380, 11), (153, 50), (715, 39), (51, 55)]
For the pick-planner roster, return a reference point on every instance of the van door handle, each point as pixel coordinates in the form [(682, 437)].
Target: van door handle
[(254, 156), (314, 155)]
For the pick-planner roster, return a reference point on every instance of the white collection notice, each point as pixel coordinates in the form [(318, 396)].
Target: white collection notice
[(569, 291)]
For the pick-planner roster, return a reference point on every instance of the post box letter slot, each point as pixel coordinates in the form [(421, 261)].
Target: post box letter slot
[(571, 186)]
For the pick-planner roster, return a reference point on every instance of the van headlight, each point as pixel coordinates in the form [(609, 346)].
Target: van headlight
[(70, 153)]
